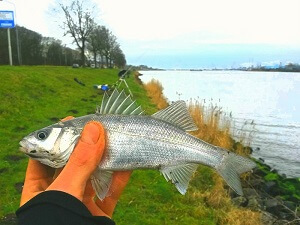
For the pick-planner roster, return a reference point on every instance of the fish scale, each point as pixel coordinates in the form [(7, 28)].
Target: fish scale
[(136, 141)]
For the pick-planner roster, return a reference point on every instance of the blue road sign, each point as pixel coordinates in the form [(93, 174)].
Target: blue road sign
[(7, 19)]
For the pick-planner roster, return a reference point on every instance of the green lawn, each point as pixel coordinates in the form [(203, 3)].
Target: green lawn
[(37, 96)]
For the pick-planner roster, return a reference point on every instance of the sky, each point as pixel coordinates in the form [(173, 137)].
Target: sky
[(186, 33)]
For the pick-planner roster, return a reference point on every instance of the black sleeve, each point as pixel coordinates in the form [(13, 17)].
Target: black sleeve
[(59, 208)]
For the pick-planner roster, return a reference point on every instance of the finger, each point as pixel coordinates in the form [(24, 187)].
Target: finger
[(38, 178), (89, 202), (39, 174), (119, 182), (89, 192), (82, 162), (57, 172), (67, 118)]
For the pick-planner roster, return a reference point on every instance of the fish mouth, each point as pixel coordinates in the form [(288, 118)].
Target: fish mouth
[(32, 156), (23, 145), (25, 150)]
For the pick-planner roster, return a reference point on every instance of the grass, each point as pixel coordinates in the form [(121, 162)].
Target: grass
[(37, 96)]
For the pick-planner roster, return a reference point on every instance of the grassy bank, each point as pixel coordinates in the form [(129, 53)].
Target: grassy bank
[(34, 97)]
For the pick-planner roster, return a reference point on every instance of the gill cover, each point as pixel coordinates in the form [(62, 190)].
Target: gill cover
[(52, 145)]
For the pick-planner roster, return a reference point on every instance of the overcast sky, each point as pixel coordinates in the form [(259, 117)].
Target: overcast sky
[(188, 33)]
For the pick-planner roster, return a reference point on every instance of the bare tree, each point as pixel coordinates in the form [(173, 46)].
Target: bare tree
[(78, 23)]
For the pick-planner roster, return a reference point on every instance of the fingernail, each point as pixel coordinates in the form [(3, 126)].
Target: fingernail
[(91, 133)]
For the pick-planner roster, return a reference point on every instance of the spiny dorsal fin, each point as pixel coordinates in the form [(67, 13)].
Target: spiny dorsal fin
[(137, 111), (180, 175), (119, 103), (111, 100), (177, 114), (105, 98)]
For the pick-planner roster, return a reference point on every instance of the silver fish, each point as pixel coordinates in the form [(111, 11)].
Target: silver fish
[(137, 141)]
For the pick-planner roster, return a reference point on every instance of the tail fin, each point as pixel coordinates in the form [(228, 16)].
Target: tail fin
[(231, 167)]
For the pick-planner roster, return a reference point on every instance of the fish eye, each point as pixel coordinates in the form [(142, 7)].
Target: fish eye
[(42, 135)]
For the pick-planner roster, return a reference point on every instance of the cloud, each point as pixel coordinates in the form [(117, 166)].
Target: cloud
[(210, 30), (234, 21), (31, 14)]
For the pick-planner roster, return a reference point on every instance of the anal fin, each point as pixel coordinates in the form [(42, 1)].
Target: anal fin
[(101, 181), (180, 175)]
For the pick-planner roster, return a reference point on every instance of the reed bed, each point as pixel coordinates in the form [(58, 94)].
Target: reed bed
[(215, 128), (155, 92)]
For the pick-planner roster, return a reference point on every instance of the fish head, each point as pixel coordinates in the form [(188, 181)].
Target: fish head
[(51, 145)]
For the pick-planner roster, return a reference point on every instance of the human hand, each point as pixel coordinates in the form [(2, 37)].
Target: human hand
[(74, 177)]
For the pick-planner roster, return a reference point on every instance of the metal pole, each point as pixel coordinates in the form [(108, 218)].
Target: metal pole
[(9, 47), (123, 80)]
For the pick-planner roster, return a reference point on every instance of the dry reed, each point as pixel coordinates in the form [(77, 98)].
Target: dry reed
[(214, 128), (155, 92), (237, 216)]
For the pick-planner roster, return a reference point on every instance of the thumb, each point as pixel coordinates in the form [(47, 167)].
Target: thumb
[(90, 147), (91, 132)]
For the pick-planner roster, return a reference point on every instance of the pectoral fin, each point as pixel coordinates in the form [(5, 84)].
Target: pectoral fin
[(101, 181), (180, 175)]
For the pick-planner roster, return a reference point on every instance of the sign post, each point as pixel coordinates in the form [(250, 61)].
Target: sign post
[(7, 21)]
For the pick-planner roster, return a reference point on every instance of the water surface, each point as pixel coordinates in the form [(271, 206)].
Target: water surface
[(264, 104)]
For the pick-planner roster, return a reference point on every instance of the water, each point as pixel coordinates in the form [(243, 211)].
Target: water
[(265, 105)]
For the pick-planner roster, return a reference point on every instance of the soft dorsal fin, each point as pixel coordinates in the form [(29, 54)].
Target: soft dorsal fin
[(119, 103), (177, 114)]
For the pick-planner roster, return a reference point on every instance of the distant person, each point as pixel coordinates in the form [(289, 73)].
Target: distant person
[(65, 196)]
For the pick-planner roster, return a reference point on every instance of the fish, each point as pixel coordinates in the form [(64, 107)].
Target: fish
[(137, 141)]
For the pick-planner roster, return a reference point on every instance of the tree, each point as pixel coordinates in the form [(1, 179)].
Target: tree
[(78, 23), (54, 54), (117, 56), (4, 47), (31, 47), (36, 50), (95, 42), (46, 42), (103, 43), (107, 41)]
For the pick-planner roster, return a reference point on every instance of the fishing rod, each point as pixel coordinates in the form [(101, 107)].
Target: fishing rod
[(105, 87)]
